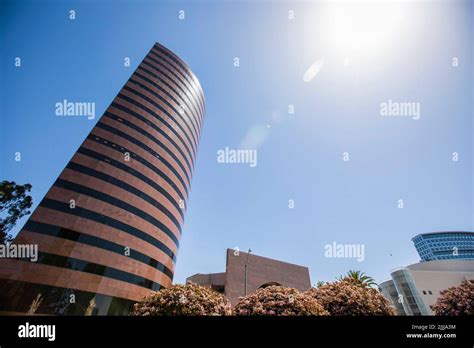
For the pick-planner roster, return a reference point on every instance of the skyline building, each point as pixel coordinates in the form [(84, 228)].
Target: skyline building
[(108, 230), (458, 245)]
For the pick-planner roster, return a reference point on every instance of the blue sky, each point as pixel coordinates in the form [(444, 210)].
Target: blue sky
[(300, 156)]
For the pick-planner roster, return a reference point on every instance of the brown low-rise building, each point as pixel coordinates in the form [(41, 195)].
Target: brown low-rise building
[(246, 273)]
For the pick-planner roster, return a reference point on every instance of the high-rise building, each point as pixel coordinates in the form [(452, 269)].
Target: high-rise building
[(445, 245), (108, 230)]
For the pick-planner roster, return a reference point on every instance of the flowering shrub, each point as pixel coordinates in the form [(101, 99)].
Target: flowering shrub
[(457, 300), (278, 300), (189, 299), (347, 298)]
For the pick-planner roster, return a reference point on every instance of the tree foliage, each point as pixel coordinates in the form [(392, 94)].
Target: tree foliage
[(346, 298), (457, 300), (14, 204), (189, 299), (278, 300)]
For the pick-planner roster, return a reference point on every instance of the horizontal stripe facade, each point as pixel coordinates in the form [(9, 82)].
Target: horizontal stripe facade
[(80, 237)]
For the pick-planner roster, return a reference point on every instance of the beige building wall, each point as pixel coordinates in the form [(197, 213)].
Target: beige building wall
[(432, 277)]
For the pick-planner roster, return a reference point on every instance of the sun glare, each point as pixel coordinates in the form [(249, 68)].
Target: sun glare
[(361, 28)]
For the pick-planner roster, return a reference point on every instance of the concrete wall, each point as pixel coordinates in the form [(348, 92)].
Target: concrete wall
[(436, 276)]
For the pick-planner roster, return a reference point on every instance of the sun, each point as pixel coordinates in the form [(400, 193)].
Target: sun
[(362, 28)]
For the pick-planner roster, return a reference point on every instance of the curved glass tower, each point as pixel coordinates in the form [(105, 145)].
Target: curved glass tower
[(108, 230), (445, 245), (410, 298)]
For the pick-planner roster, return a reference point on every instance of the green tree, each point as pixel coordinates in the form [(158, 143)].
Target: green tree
[(358, 278), (14, 204), (320, 283)]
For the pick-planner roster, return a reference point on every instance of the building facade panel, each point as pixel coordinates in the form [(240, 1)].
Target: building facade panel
[(163, 146), (186, 76), (139, 191), (174, 84), (131, 118), (168, 157), (154, 191), (131, 195), (85, 252), (137, 167), (120, 215), (133, 107), (149, 88), (178, 73), (135, 150), (145, 74), (52, 222), (406, 288), (147, 104), (389, 290)]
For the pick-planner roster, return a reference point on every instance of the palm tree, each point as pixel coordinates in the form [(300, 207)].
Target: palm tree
[(358, 278), (320, 283)]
